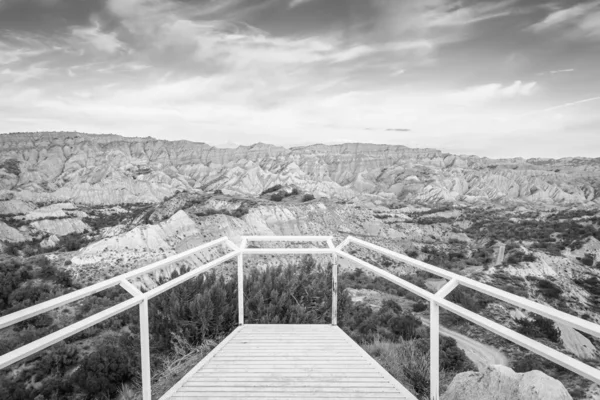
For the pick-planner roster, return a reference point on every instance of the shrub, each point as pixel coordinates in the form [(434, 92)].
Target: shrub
[(419, 306), (588, 260), (308, 197), (295, 191), (11, 166), (103, 371), (218, 191), (413, 253), (277, 196), (539, 327), (528, 363), (272, 189), (547, 288)]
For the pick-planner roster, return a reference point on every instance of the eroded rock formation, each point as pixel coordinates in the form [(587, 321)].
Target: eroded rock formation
[(110, 169)]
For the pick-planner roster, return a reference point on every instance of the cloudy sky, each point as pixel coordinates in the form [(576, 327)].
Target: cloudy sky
[(494, 78)]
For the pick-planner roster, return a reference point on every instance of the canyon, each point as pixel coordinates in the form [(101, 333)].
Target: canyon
[(100, 205), (110, 169)]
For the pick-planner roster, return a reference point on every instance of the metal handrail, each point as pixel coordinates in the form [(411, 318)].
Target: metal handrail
[(436, 301)]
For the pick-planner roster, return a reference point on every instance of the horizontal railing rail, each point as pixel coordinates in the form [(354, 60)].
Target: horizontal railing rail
[(138, 298), (436, 301)]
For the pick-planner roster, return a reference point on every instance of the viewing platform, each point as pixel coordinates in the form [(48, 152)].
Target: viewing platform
[(288, 361), (296, 361)]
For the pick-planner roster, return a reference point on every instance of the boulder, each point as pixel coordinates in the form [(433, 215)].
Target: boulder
[(498, 382)]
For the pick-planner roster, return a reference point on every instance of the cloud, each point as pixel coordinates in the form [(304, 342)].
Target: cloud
[(565, 105), (398, 130), (105, 42), (22, 75), (578, 21), (494, 91), (296, 3), (562, 71)]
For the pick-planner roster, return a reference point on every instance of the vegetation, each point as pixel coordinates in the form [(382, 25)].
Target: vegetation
[(98, 361), (546, 288), (551, 234), (277, 196), (11, 166), (518, 256), (538, 327), (307, 197), (272, 189)]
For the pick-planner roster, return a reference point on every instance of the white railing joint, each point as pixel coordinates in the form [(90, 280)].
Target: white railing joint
[(132, 290), (446, 289)]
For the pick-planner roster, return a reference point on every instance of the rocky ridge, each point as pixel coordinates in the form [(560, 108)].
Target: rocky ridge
[(110, 169)]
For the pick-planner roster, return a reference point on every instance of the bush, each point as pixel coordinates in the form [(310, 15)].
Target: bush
[(539, 327), (413, 254), (73, 241), (103, 371), (547, 288), (528, 363), (11, 166), (588, 260), (272, 189), (277, 196), (308, 197), (420, 306)]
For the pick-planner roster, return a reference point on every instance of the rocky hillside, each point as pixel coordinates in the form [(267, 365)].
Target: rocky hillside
[(110, 169)]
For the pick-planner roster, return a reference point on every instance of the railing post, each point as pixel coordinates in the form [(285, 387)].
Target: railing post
[(241, 284), (334, 284), (145, 347), (434, 350)]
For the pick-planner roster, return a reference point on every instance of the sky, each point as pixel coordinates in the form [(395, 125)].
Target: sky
[(501, 78)]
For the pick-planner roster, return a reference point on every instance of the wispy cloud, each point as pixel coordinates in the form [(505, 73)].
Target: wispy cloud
[(21, 75), (105, 42), (296, 3), (581, 20), (566, 105), (494, 91)]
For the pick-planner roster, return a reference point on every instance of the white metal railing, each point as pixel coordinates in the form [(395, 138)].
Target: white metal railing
[(436, 301)]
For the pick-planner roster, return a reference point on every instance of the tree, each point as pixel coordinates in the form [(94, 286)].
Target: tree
[(103, 371)]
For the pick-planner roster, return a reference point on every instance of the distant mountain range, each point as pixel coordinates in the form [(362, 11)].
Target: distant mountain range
[(111, 169)]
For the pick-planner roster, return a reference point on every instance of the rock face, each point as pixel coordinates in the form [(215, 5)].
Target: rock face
[(109, 169), (10, 234), (502, 383), (61, 227), (10, 207)]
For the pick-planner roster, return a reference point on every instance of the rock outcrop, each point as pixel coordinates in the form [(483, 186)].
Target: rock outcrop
[(502, 383), (110, 169), (10, 234), (60, 227), (15, 207)]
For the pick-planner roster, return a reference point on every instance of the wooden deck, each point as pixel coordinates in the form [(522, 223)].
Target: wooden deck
[(288, 362)]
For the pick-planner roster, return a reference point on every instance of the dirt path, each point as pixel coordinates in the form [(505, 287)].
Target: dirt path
[(482, 355)]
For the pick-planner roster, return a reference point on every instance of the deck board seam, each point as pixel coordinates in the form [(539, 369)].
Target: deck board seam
[(173, 391)]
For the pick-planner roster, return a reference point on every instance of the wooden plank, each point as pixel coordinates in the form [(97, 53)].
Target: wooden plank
[(283, 378), (284, 394), (288, 389), (283, 368), (378, 367), (281, 362), (191, 385), (198, 366)]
